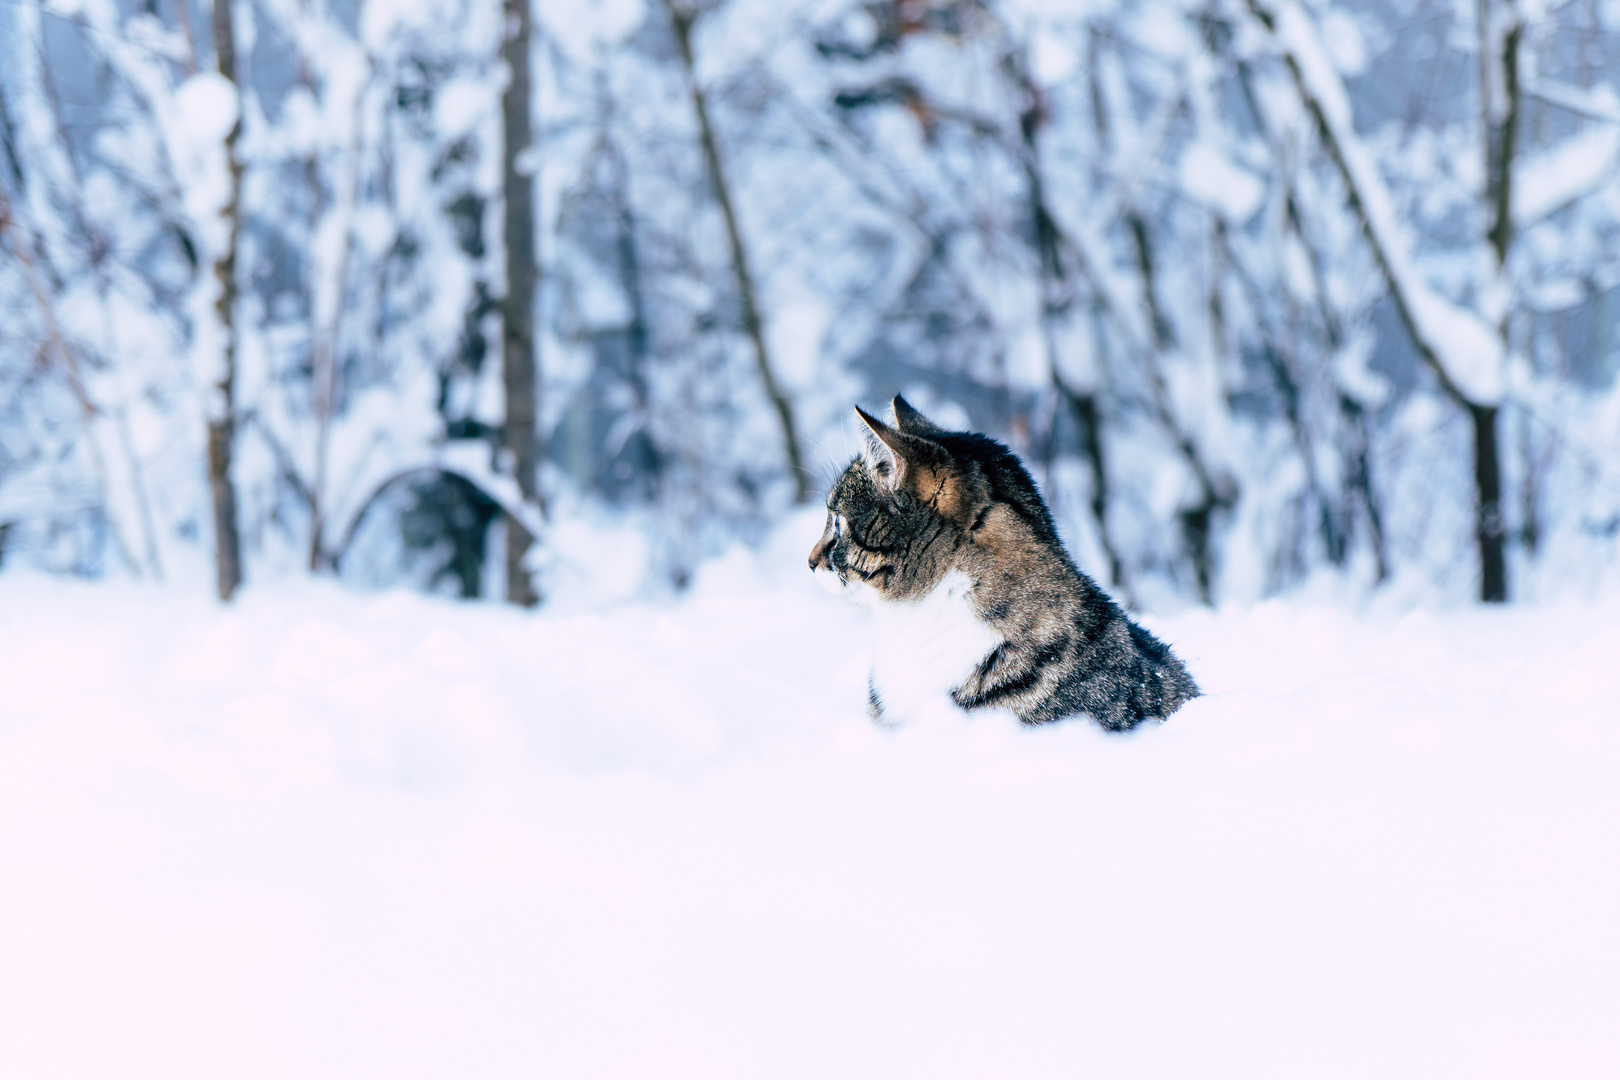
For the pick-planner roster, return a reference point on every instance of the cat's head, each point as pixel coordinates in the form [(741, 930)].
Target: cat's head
[(905, 506)]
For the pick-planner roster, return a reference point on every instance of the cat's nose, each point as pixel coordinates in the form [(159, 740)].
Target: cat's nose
[(818, 555)]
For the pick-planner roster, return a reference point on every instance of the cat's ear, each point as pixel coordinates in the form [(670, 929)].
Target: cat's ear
[(899, 459), (882, 459), (923, 467), (887, 450), (912, 422)]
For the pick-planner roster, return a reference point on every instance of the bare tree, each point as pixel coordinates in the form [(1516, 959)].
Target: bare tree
[(1500, 33), (222, 403), (682, 20), (518, 365)]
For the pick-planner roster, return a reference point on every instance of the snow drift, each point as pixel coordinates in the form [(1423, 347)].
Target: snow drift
[(320, 834)]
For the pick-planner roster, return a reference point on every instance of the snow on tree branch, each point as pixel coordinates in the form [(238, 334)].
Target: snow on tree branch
[(1595, 103), (1565, 174), (1464, 352)]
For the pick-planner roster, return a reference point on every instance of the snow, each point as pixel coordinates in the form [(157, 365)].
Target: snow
[(327, 834), (1052, 60), (1341, 34), (1554, 179), (1208, 177), (1598, 102), (584, 28), (205, 108), (796, 335)]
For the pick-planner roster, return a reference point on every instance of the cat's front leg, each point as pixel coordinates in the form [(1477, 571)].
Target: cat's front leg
[(981, 687)]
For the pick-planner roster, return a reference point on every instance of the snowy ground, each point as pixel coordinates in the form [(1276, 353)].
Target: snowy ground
[(324, 834)]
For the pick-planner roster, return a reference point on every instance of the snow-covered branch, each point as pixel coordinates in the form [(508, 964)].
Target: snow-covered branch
[(1462, 350)]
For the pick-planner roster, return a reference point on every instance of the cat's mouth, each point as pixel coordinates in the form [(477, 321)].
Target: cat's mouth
[(826, 570), (830, 581)]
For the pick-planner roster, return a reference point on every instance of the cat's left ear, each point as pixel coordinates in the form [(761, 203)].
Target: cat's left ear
[(912, 422), (899, 458)]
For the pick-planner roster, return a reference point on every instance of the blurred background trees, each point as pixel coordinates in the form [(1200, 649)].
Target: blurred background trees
[(1262, 291)]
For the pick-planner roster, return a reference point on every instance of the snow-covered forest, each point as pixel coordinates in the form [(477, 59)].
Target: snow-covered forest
[(442, 293), (321, 317)]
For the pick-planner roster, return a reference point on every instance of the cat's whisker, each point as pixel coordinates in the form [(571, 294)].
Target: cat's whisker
[(830, 468)]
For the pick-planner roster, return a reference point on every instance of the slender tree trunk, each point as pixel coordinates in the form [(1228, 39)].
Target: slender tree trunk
[(638, 335), (8, 143), (126, 438), (1358, 478), (1500, 93), (1163, 336), (182, 18), (326, 327), (522, 280), (747, 297), (1085, 414), (1489, 533), (1197, 522), (1488, 483), (222, 406)]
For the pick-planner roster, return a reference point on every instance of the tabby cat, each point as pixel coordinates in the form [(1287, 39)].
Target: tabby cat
[(938, 522)]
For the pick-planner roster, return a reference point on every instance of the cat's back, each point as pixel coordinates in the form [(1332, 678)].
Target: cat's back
[(1068, 648)]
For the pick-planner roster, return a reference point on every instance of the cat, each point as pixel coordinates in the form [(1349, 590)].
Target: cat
[(944, 525)]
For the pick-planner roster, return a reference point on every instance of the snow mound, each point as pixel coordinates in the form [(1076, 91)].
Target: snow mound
[(321, 834)]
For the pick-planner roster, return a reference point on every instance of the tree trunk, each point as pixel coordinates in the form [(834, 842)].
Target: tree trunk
[(1488, 527), (1501, 124), (747, 298), (222, 407), (1218, 492), (1358, 479), (1085, 414), (522, 281), (1501, 121), (8, 143)]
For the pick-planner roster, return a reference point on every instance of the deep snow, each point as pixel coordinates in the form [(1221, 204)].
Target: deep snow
[(324, 834)]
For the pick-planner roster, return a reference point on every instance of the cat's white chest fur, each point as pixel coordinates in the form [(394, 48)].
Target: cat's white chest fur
[(926, 648)]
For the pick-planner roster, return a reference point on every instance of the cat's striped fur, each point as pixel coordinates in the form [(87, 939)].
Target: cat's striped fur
[(924, 503)]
